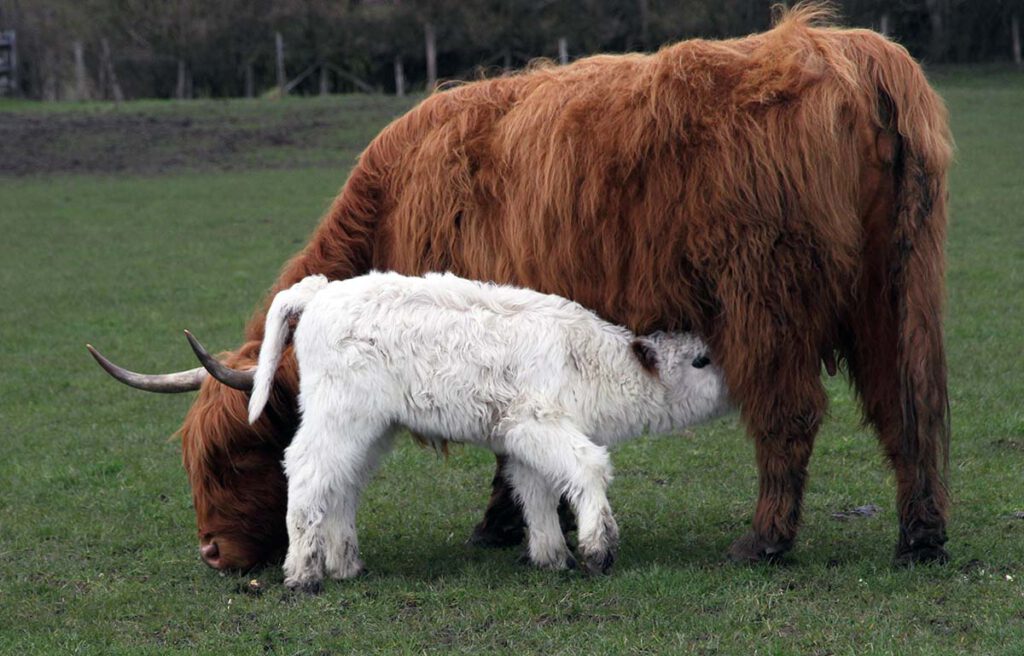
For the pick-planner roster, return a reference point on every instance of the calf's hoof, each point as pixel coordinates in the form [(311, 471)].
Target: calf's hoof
[(751, 548), (558, 564), (307, 586), (599, 562)]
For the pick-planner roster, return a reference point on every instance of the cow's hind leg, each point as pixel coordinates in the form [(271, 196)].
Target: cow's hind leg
[(539, 501), (921, 497), (326, 474), (502, 524), (579, 469)]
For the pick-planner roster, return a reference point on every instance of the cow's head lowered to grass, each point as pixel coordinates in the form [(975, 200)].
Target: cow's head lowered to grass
[(238, 487)]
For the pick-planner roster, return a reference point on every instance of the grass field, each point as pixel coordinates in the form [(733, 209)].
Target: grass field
[(97, 542)]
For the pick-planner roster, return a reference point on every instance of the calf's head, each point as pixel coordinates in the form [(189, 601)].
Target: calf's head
[(683, 362)]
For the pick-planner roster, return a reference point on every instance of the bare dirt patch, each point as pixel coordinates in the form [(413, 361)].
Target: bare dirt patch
[(156, 139)]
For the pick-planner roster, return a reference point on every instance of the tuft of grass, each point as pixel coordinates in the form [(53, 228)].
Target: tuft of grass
[(96, 526)]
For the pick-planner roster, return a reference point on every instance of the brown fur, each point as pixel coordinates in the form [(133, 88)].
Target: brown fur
[(781, 194)]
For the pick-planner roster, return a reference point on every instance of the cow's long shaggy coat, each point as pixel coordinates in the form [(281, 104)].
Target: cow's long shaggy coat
[(783, 195)]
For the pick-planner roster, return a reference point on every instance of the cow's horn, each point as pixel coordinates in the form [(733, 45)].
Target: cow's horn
[(180, 381), (236, 378)]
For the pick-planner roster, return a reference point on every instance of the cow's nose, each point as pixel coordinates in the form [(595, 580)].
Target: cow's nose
[(210, 554)]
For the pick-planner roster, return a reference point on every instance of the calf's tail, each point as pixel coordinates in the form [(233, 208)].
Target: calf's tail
[(286, 305)]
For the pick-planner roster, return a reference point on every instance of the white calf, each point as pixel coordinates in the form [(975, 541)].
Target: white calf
[(530, 375)]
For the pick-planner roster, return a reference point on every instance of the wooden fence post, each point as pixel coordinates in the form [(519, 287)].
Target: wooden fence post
[(325, 82), (48, 72), (645, 24), (250, 79), (81, 83), (399, 77), (281, 80), (8, 63), (109, 75), (1015, 33), (180, 87), (430, 39)]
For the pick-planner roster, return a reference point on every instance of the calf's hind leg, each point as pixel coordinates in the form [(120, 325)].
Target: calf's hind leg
[(326, 475), (579, 469)]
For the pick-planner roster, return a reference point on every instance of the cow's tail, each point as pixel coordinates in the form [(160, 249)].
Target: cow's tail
[(287, 305), (906, 104)]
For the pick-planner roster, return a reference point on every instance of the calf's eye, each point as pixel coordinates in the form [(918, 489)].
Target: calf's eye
[(701, 362)]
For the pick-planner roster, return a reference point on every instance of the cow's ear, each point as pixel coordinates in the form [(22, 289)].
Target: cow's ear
[(646, 355)]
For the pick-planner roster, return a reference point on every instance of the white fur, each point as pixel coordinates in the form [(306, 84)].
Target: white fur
[(533, 376)]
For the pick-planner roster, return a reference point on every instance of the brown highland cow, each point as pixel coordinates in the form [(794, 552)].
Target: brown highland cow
[(783, 195)]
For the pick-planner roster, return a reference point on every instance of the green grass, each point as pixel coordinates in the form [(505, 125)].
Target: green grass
[(97, 545)]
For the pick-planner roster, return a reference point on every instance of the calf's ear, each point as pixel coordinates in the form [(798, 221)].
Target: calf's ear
[(646, 355)]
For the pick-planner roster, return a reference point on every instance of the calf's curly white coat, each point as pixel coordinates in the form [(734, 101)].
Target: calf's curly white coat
[(533, 376)]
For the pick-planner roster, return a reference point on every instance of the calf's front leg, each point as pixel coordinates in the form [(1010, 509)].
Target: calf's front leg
[(579, 469), (539, 500), (326, 476)]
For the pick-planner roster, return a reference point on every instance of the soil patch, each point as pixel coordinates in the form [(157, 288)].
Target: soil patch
[(204, 136)]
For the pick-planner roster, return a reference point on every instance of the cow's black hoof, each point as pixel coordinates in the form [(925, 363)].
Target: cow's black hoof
[(491, 536), (920, 545), (751, 548), (907, 556)]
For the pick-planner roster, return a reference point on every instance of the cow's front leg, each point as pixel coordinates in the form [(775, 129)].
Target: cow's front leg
[(783, 432), (503, 524)]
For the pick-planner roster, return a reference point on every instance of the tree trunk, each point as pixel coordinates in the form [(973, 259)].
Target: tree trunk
[(250, 80), (884, 24), (399, 77), (109, 73), (325, 82), (506, 59), (1015, 34), (179, 88), (81, 83), (281, 79), (430, 42), (563, 51)]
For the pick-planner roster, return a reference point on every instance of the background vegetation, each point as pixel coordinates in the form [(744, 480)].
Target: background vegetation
[(122, 225), (216, 48)]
